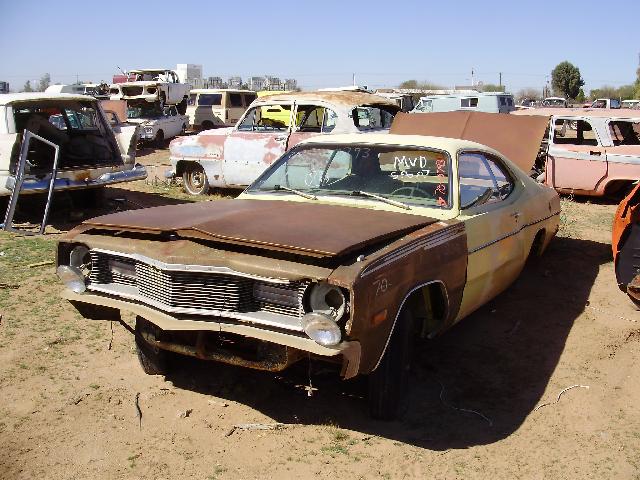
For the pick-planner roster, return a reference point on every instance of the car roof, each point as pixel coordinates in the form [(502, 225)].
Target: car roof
[(35, 96), (581, 112), (344, 98), (437, 143)]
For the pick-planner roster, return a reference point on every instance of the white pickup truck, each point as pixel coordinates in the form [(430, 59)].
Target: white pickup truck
[(157, 124), (153, 85)]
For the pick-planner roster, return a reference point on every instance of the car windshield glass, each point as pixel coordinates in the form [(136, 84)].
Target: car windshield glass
[(144, 110), (409, 175)]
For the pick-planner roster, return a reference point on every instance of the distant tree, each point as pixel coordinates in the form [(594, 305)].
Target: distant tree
[(606, 91), (45, 81), (27, 86), (425, 85), (581, 97), (566, 79), (412, 84), (528, 93), (627, 92), (490, 87), (637, 84)]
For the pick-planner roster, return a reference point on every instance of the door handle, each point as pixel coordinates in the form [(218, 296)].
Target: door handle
[(280, 139), (593, 152)]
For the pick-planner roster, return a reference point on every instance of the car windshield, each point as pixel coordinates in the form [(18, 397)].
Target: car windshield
[(371, 117), (409, 175), (144, 110)]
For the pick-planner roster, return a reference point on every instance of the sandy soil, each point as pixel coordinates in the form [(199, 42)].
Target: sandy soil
[(68, 387)]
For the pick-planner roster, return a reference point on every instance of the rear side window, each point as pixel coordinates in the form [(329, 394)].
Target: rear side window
[(624, 132), (192, 99), (313, 118), (372, 117), (235, 99), (210, 99)]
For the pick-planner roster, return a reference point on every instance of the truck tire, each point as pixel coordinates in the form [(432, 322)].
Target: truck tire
[(153, 360), (389, 383), (194, 180)]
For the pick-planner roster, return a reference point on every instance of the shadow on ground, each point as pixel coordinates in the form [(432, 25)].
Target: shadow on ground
[(497, 361)]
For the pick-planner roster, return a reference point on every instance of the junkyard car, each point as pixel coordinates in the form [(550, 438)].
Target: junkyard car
[(158, 124), (625, 244), (234, 157), (153, 85), (93, 151), (347, 249), (593, 152), (211, 107)]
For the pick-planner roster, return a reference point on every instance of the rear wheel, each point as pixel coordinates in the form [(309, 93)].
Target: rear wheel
[(153, 360), (389, 383), (194, 180)]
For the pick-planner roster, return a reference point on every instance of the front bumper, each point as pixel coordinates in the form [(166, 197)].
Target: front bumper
[(350, 350), (37, 185)]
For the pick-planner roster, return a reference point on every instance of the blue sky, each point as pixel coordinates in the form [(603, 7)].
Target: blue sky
[(322, 43)]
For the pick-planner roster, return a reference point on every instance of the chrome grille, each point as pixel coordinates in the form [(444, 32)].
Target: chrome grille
[(197, 290)]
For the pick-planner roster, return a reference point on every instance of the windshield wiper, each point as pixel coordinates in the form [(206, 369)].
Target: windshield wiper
[(297, 192), (360, 193)]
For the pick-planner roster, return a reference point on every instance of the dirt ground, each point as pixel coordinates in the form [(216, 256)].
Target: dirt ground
[(485, 401)]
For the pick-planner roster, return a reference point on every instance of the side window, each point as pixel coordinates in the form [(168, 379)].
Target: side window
[(248, 98), (210, 99), (371, 117), (483, 179), (503, 101), (235, 99), (314, 118), (573, 132), (624, 132), (271, 118), (469, 102), (192, 99)]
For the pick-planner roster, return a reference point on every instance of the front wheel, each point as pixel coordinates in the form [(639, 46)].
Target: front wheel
[(159, 140), (195, 180), (389, 383), (153, 360)]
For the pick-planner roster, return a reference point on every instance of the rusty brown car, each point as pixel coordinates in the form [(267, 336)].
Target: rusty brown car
[(348, 249)]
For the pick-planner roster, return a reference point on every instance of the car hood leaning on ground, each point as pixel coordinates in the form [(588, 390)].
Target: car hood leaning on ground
[(313, 229)]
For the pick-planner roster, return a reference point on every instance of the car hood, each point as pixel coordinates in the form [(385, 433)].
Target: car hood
[(314, 229), (516, 137)]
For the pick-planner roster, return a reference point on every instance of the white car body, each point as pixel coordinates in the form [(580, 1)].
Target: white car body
[(167, 126), (152, 86)]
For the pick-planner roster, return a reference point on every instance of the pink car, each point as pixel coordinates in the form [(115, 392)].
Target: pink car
[(593, 152)]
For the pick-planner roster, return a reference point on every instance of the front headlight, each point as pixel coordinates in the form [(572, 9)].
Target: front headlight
[(328, 305), (321, 328), (75, 275)]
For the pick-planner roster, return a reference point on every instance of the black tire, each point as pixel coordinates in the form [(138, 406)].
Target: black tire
[(389, 383), (194, 180), (182, 106), (153, 360), (159, 140), (183, 130), (87, 199)]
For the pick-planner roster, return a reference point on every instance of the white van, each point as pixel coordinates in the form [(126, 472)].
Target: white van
[(493, 102), (209, 108)]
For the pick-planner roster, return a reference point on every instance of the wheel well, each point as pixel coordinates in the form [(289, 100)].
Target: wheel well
[(618, 188), (428, 305), (537, 246), (181, 166)]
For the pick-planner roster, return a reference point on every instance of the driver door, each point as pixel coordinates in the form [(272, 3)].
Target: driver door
[(259, 139), (493, 218)]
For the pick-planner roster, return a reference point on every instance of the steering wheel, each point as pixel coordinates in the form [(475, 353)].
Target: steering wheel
[(412, 192)]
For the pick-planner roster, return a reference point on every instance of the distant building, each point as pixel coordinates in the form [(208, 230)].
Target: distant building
[(256, 83), (234, 82), (272, 83), (290, 84), (4, 87), (214, 82), (190, 73)]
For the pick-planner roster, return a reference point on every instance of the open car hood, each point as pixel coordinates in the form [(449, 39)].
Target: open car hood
[(313, 229), (516, 137)]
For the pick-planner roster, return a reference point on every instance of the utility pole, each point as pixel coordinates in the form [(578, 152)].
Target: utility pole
[(353, 79), (473, 81), (500, 82)]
